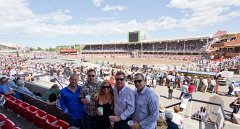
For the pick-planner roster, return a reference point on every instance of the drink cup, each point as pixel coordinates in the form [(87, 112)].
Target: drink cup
[(130, 122), (88, 98), (111, 122), (100, 110)]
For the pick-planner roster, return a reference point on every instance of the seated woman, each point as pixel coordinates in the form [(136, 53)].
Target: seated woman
[(104, 100), (53, 100)]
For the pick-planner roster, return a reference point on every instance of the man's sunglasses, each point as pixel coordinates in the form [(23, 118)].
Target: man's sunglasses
[(137, 81), (91, 75), (119, 79)]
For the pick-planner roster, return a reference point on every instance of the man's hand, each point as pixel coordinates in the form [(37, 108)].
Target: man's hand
[(96, 95), (115, 118), (84, 101), (136, 125)]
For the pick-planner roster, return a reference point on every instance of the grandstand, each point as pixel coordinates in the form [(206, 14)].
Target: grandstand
[(7, 48), (148, 49)]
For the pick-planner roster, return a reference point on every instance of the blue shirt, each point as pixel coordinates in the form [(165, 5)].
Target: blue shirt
[(12, 85), (4, 89), (147, 108), (124, 102), (70, 102), (24, 90)]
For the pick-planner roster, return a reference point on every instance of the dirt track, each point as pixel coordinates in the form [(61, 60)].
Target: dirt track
[(138, 61)]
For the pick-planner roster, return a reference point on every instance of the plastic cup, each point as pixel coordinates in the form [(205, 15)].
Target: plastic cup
[(130, 122), (111, 122), (100, 110), (88, 98)]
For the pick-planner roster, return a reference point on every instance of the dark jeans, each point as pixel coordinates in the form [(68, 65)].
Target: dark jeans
[(235, 110), (170, 95), (121, 124), (79, 123), (91, 122)]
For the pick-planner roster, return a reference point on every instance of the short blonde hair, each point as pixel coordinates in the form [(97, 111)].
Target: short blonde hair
[(176, 109)]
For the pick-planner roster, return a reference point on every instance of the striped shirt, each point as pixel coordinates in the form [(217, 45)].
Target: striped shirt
[(124, 102), (147, 108)]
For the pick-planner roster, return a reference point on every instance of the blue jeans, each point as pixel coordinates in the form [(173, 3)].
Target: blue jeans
[(90, 122), (212, 88), (79, 123)]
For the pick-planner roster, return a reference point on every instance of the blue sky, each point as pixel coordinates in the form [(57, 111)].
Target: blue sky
[(49, 23)]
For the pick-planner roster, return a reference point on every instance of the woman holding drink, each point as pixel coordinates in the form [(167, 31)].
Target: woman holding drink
[(104, 105)]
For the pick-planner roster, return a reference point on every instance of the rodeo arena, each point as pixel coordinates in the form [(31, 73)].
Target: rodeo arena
[(196, 80)]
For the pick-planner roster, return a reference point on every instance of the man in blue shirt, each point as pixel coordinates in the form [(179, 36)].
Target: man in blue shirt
[(124, 102), (4, 89), (71, 104), (146, 105)]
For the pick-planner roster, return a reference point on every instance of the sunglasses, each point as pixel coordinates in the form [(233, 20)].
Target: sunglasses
[(137, 81), (119, 79), (91, 75), (106, 87)]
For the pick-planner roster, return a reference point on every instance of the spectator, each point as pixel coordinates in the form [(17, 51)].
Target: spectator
[(4, 88), (147, 104), (236, 106), (184, 89), (90, 88), (104, 101), (177, 118), (53, 100), (191, 89), (162, 119), (212, 85), (170, 123), (23, 89), (53, 89), (231, 88), (124, 102), (71, 104), (170, 90)]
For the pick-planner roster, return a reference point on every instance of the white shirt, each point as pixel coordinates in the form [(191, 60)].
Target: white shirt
[(177, 118)]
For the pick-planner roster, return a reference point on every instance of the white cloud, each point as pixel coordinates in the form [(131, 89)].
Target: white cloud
[(97, 2), (114, 8), (200, 13), (59, 16), (17, 19)]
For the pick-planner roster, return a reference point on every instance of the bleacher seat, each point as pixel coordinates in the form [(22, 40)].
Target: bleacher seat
[(31, 113), (40, 119), (9, 101), (63, 124), (50, 121), (16, 106), (8, 124), (56, 111), (2, 117), (23, 109)]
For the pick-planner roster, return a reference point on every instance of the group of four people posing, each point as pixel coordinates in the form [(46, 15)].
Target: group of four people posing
[(102, 106)]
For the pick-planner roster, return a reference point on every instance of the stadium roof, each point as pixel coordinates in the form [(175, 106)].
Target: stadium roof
[(149, 41)]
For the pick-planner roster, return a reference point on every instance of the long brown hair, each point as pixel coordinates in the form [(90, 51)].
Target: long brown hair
[(105, 82)]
